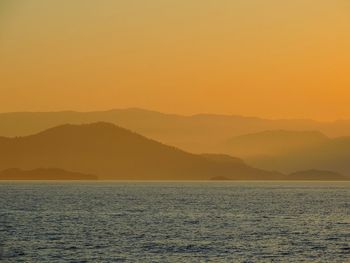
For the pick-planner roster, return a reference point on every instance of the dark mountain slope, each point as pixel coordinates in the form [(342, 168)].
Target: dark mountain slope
[(111, 152), (197, 133)]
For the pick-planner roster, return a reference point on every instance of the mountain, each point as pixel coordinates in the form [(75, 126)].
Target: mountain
[(242, 170), (289, 151), (331, 154), (43, 174), (275, 142), (281, 145), (111, 152), (197, 133), (317, 175)]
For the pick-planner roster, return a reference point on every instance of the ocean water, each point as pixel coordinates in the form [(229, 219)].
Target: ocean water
[(175, 222)]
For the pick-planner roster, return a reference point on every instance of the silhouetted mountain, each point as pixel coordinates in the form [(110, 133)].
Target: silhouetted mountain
[(289, 151), (272, 143), (111, 152), (287, 147), (241, 168), (44, 174), (317, 175), (332, 155), (197, 133)]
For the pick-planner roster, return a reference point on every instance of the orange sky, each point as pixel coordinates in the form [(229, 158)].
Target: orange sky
[(271, 58)]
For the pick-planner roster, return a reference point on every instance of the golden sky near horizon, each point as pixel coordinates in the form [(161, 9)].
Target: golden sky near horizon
[(268, 58)]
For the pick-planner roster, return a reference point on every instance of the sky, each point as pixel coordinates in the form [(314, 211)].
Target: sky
[(266, 58)]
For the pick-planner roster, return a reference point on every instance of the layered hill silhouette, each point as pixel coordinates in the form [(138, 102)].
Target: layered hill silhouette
[(111, 152), (44, 174), (276, 142), (281, 145), (197, 133), (289, 151), (331, 155)]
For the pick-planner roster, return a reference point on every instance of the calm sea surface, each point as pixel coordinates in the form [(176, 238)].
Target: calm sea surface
[(174, 222)]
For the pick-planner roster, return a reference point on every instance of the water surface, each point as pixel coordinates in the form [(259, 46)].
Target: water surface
[(175, 222)]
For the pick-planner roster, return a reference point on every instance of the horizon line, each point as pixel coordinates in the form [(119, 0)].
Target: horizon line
[(180, 115)]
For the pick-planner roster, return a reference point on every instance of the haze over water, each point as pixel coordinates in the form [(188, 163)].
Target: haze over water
[(175, 222)]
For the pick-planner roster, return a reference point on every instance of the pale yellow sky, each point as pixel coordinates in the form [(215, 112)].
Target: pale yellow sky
[(268, 58)]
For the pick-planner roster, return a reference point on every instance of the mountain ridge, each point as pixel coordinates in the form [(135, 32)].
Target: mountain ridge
[(194, 133), (112, 152)]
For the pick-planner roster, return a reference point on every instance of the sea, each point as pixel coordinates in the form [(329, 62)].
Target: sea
[(174, 222)]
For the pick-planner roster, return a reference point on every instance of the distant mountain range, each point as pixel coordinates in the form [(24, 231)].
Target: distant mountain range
[(197, 133), (106, 151), (289, 151), (111, 152), (281, 145), (276, 142)]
